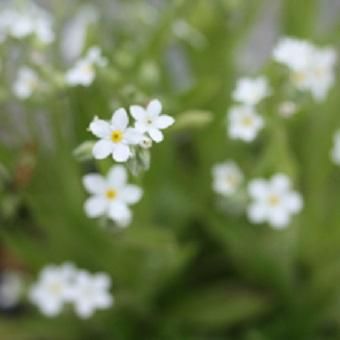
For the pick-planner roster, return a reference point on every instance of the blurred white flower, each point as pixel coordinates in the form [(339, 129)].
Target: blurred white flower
[(227, 178), (335, 152), (84, 71), (53, 288), (273, 201), (29, 20), (149, 120), (244, 123), (312, 68), (26, 83), (90, 292), (65, 284), (111, 196), (115, 137), (251, 91), (10, 289), (287, 109)]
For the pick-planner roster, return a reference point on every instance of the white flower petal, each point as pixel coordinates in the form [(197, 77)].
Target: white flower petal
[(258, 188), (131, 194), (102, 149), (156, 135), (257, 213), (133, 136), (163, 121), (94, 183), (100, 128), (154, 108), (280, 183), (120, 119), (121, 153), (117, 176), (119, 212), (278, 218), (95, 206), (294, 202), (137, 112)]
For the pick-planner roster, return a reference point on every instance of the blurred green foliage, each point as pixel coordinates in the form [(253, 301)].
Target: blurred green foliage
[(183, 269)]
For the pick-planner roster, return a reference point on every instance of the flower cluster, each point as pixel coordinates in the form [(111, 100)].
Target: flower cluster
[(311, 68), (65, 284), (111, 196), (272, 200), (84, 71), (243, 121), (30, 20), (117, 138)]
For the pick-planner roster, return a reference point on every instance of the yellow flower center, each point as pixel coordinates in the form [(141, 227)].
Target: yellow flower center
[(299, 77), (116, 136), (111, 194), (87, 69), (55, 288), (247, 121), (274, 200)]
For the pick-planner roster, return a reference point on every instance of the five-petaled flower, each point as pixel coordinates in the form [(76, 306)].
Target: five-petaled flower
[(149, 120), (227, 178), (273, 201), (111, 196), (244, 123), (116, 137), (250, 91), (84, 71)]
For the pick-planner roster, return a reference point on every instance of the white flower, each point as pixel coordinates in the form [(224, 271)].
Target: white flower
[(84, 71), (53, 289), (287, 109), (293, 53), (149, 120), (335, 152), (26, 83), (30, 20), (251, 91), (227, 178), (115, 137), (312, 68), (111, 196), (90, 292), (10, 289), (273, 201), (244, 123), (65, 284)]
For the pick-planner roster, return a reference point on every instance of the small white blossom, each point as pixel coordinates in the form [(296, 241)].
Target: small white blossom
[(30, 20), (111, 196), (227, 178), (251, 91), (90, 292), (149, 120), (10, 289), (244, 123), (26, 83), (65, 284), (53, 289), (273, 201), (287, 109), (116, 137), (312, 68), (335, 152), (84, 71)]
